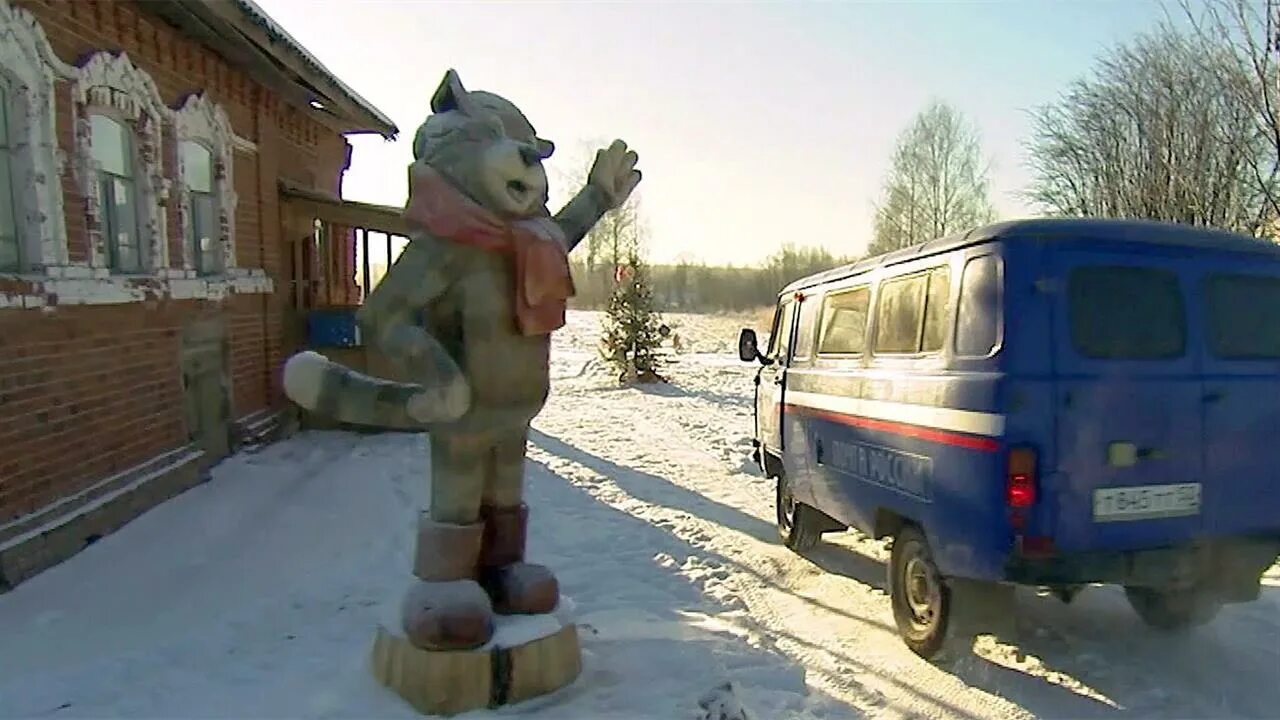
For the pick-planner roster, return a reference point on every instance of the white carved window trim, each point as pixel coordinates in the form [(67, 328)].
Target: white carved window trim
[(108, 82), (11, 230), (112, 84), (138, 206), (31, 68), (203, 121)]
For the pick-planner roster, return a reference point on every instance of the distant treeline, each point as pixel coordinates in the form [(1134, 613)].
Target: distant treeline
[(688, 287)]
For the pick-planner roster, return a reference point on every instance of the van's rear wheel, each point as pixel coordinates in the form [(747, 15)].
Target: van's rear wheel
[(798, 524), (921, 600), (1172, 609)]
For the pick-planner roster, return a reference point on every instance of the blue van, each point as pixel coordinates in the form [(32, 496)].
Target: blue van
[(1051, 403)]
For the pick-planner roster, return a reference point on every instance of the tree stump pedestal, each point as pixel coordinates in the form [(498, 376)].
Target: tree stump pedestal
[(529, 656)]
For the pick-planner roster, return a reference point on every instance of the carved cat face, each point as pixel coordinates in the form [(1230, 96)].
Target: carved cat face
[(487, 147)]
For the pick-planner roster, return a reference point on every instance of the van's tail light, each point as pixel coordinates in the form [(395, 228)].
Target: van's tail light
[(1020, 487)]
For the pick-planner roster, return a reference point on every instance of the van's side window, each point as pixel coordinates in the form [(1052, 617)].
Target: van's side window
[(978, 317), (1126, 313), (780, 338), (805, 331), (844, 322), (937, 310), (898, 314), (1243, 316), (912, 312)]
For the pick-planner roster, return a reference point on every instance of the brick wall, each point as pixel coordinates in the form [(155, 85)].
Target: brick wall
[(90, 390), (85, 392)]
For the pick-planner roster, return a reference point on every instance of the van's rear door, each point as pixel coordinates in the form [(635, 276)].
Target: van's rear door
[(1241, 310), (1128, 400)]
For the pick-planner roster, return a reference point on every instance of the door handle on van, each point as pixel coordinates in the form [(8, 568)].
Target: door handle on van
[(1214, 396), (817, 451)]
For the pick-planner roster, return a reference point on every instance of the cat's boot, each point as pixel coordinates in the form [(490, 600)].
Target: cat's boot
[(515, 586), (446, 609)]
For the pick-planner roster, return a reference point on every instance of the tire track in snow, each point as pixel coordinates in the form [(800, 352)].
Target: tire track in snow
[(713, 573), (837, 628)]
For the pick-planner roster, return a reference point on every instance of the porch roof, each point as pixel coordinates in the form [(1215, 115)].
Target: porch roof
[(330, 208)]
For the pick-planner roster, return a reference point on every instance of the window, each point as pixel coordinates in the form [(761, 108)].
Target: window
[(1243, 316), (773, 331), (780, 338), (207, 202), (809, 307), (937, 310), (117, 194), (204, 233), (33, 233), (1126, 313), (901, 308), (844, 322), (979, 316), (10, 244), (126, 158), (912, 313)]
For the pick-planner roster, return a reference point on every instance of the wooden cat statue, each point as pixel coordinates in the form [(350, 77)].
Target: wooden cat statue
[(467, 312)]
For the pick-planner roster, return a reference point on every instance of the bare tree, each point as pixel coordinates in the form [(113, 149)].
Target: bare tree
[(937, 184), (611, 240), (1153, 133), (1249, 33)]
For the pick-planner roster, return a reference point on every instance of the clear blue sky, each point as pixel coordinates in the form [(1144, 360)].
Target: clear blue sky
[(757, 123)]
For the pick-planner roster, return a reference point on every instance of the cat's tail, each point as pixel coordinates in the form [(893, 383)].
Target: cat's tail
[(337, 392)]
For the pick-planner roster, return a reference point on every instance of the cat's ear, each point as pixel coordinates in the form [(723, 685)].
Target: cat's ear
[(451, 95)]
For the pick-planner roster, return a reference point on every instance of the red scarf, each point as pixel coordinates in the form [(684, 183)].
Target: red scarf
[(543, 282)]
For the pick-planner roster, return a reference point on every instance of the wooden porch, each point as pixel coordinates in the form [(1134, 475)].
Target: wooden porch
[(338, 251)]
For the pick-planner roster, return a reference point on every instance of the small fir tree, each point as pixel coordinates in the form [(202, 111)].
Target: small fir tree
[(632, 327)]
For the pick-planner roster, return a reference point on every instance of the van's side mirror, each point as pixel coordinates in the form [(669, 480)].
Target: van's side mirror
[(748, 349)]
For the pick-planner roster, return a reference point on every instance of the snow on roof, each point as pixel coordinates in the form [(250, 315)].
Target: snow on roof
[(261, 18)]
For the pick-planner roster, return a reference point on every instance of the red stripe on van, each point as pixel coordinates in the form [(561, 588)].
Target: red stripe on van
[(971, 442)]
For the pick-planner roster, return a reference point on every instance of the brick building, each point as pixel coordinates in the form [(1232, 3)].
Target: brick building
[(169, 175)]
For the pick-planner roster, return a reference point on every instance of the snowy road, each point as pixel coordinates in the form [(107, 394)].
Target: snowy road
[(253, 596)]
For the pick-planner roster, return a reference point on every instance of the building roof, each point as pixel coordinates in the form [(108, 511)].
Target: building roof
[(245, 35), (1141, 232)]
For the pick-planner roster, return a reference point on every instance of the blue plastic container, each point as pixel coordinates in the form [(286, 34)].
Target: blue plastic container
[(333, 328)]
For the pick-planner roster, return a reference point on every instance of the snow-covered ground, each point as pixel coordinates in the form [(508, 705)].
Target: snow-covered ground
[(255, 595)]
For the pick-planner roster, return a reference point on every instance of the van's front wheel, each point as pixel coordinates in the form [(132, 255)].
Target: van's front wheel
[(1171, 609), (921, 600), (798, 524)]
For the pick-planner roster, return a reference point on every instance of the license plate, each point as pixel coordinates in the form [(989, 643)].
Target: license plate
[(1143, 502)]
